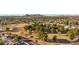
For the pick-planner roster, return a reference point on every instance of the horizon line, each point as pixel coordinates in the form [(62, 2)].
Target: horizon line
[(40, 14)]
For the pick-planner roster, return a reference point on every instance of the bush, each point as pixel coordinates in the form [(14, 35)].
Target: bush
[(54, 38)]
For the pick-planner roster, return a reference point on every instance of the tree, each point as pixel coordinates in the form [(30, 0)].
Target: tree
[(76, 31), (54, 28), (61, 29), (27, 27), (71, 35), (17, 38), (54, 38), (67, 22), (7, 28), (1, 42), (49, 28), (43, 36)]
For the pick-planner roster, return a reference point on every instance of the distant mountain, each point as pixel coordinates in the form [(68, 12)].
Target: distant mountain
[(33, 15), (39, 14)]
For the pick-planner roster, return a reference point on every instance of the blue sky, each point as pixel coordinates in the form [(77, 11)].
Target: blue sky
[(39, 6)]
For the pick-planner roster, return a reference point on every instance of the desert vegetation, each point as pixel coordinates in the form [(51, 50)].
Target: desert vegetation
[(39, 29)]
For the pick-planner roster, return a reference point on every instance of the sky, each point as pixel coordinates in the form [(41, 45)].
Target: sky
[(39, 6)]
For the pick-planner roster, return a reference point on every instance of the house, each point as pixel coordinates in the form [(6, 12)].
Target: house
[(66, 27), (72, 27), (69, 27)]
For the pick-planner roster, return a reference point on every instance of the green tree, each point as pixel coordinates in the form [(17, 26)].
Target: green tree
[(71, 35), (54, 28), (76, 31), (29, 28), (67, 22), (61, 29), (43, 36), (1, 42), (49, 28), (17, 38)]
